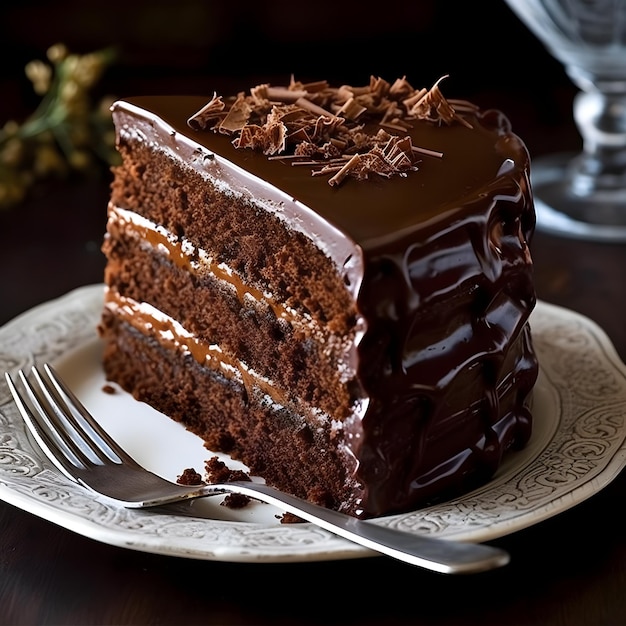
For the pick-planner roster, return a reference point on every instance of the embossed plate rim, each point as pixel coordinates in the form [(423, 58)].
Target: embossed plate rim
[(578, 449)]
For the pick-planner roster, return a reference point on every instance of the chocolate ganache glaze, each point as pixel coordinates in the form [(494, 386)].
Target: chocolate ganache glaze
[(436, 258)]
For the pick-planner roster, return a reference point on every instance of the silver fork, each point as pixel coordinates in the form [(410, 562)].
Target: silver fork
[(78, 446)]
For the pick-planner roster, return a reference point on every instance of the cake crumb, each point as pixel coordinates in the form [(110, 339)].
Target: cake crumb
[(190, 477), (218, 472), (236, 501), (290, 518), (110, 389)]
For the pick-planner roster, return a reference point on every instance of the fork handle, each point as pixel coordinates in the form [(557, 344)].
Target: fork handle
[(440, 555)]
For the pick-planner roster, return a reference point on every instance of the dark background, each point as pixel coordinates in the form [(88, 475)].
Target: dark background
[(196, 46)]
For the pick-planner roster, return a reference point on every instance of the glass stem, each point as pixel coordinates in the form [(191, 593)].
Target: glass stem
[(601, 168)]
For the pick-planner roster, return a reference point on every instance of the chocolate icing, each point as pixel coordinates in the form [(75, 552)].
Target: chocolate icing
[(438, 264)]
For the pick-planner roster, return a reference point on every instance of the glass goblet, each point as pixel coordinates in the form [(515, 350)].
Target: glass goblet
[(584, 195)]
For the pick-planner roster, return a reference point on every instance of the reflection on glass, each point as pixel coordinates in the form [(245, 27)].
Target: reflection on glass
[(584, 195)]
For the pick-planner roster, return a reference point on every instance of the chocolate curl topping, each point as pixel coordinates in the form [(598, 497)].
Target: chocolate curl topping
[(210, 112), (276, 94), (237, 117), (342, 132), (269, 140), (432, 106), (307, 105), (352, 165), (351, 109)]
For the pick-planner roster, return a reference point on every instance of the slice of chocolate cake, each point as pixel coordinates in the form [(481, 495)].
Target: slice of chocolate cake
[(332, 285)]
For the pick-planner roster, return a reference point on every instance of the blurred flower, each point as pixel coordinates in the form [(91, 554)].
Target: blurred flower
[(66, 133), (40, 75)]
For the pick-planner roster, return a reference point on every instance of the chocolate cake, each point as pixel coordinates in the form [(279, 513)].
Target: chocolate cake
[(330, 284)]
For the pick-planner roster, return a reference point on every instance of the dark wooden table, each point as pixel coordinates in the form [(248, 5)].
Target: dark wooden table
[(568, 571)]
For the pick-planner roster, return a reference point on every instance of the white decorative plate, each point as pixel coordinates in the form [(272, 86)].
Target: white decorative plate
[(577, 448)]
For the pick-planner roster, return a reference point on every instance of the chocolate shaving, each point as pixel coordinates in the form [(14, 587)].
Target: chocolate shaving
[(432, 153), (276, 94), (268, 140), (237, 117), (351, 109), (352, 165), (432, 106), (307, 105), (342, 132), (210, 112)]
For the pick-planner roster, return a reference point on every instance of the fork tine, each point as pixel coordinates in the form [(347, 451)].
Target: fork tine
[(30, 409), (81, 420), (85, 424), (62, 422)]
